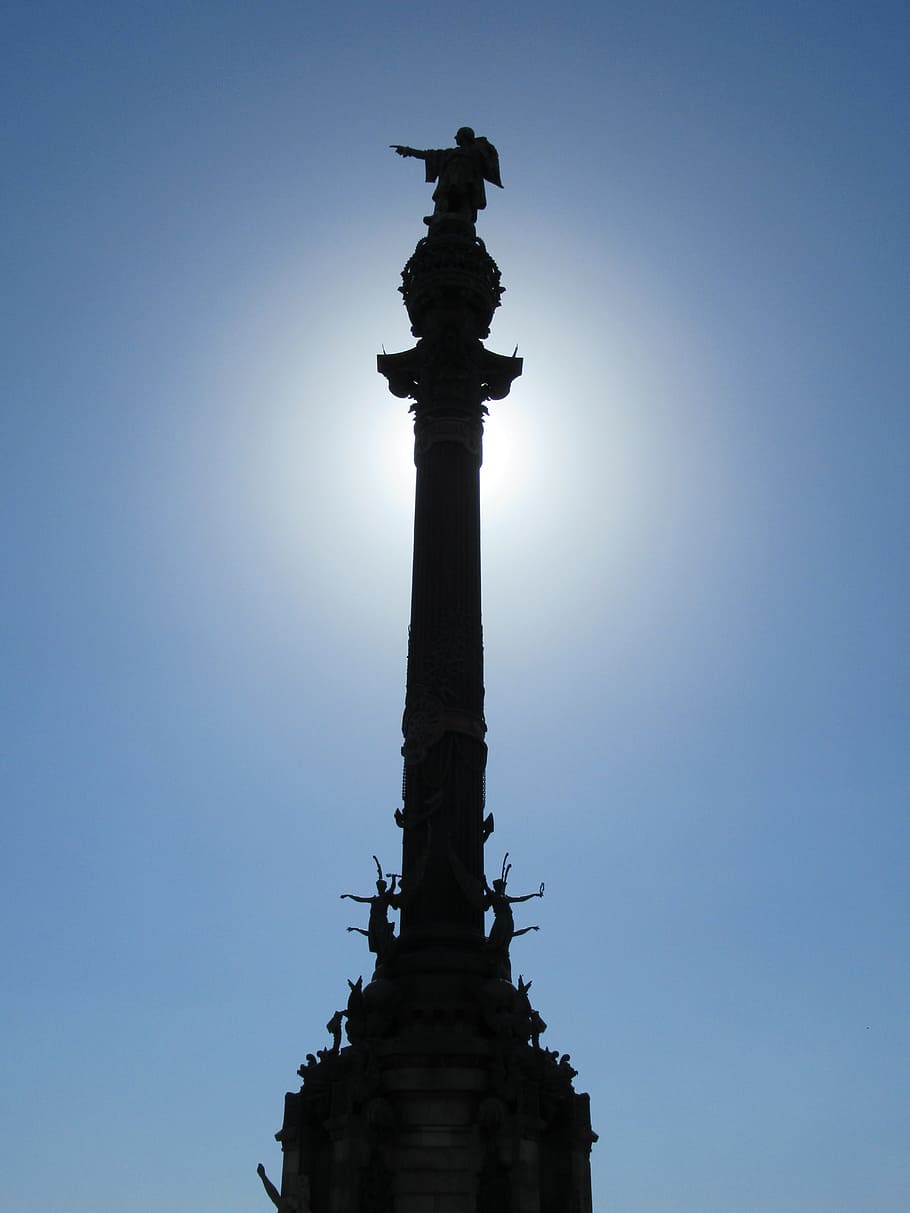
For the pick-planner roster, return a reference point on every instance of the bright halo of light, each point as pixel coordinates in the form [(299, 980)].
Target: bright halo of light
[(299, 474), (504, 457), (394, 471), (504, 451)]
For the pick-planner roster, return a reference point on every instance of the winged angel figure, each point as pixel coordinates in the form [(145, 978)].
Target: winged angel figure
[(460, 173)]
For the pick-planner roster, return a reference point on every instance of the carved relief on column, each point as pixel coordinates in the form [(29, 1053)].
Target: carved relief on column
[(456, 271), (441, 695), (429, 430)]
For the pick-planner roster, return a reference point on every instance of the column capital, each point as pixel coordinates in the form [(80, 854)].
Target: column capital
[(451, 287)]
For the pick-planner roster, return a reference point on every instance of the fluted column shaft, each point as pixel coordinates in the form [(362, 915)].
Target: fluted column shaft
[(451, 288), (445, 754)]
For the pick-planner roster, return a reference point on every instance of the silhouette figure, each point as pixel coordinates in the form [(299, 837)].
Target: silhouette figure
[(460, 172), (334, 1026), (531, 1019), (567, 1071), (379, 931), (496, 899), (272, 1192)]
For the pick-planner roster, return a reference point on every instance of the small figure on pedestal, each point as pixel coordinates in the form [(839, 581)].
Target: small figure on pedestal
[(532, 1022), (334, 1027), (538, 1027)]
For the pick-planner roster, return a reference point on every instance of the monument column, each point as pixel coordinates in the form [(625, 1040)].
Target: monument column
[(442, 1099), (451, 287)]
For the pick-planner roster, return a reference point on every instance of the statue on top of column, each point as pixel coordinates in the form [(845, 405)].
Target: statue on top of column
[(460, 172)]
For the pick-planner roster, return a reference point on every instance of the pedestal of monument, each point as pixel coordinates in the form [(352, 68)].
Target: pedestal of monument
[(443, 1106)]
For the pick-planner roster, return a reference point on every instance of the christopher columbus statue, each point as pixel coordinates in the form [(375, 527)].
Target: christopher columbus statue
[(460, 172)]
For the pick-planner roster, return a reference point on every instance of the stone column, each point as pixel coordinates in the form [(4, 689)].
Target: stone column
[(442, 1099), (451, 287)]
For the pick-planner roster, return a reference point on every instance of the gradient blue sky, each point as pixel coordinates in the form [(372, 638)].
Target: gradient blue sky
[(696, 574)]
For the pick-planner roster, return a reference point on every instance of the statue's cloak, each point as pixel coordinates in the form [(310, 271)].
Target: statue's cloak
[(463, 170)]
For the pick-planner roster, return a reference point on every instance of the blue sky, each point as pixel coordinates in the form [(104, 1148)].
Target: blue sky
[(695, 562)]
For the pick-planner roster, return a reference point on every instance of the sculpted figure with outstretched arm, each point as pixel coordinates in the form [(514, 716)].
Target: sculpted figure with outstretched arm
[(500, 902), (379, 931), (460, 173)]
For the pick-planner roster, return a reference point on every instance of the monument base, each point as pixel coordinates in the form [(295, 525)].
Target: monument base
[(442, 1102)]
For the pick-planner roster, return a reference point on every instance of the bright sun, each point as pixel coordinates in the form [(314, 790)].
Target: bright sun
[(503, 450)]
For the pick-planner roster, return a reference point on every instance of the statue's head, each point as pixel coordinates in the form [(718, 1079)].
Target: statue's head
[(499, 886), (381, 885), (464, 136)]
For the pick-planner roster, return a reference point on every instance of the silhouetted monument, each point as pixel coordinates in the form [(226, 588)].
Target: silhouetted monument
[(460, 171), (442, 1100)]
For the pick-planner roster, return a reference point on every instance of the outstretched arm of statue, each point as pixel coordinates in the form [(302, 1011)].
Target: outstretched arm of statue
[(408, 151), (354, 897), (272, 1192)]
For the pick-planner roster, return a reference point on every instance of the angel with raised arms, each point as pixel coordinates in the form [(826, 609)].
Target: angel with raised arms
[(379, 931), (500, 902)]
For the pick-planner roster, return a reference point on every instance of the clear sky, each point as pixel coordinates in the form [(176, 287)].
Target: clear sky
[(695, 561)]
